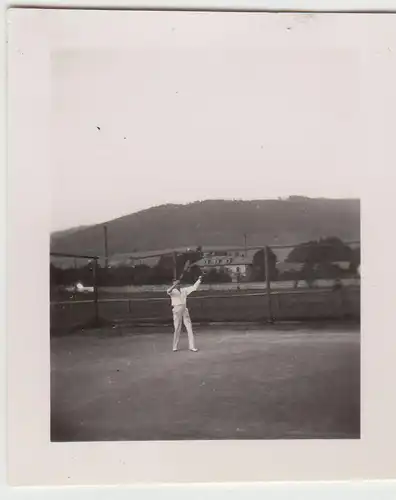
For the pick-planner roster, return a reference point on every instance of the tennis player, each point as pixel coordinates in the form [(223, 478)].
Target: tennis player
[(181, 315)]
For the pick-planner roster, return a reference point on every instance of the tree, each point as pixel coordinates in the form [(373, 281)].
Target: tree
[(55, 275), (192, 274), (307, 275), (258, 267), (87, 274), (355, 261), (318, 258), (217, 276), (163, 272), (223, 276), (123, 275), (71, 276), (324, 250), (142, 275)]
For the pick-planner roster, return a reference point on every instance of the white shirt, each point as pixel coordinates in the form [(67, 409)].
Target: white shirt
[(179, 298)]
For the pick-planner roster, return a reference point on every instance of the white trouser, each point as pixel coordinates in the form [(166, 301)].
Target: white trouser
[(180, 315)]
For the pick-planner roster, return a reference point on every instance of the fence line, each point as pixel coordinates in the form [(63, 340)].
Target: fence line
[(270, 287), (253, 307), (229, 295)]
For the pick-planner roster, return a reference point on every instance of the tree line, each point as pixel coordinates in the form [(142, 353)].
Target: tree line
[(317, 258)]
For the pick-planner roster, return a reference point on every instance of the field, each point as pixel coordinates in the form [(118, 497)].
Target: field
[(244, 383)]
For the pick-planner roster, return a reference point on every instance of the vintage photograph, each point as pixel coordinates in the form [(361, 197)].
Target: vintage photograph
[(205, 236)]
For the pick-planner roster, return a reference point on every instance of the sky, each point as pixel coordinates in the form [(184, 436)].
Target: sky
[(201, 114)]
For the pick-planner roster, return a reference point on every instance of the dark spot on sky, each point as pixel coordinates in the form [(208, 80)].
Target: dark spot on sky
[(124, 138), (98, 128), (288, 28)]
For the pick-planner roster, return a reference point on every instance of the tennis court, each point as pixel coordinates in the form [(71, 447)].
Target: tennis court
[(265, 382)]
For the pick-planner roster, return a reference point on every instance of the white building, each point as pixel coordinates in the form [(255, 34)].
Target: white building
[(237, 266)]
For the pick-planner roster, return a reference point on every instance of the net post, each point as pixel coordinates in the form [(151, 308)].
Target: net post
[(95, 285), (106, 248), (174, 255), (268, 284)]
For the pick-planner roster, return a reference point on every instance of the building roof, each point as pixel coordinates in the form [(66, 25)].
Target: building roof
[(225, 261)]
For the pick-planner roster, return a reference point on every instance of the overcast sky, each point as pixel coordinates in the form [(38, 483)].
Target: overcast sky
[(181, 120)]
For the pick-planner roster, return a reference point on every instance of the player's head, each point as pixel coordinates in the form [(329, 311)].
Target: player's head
[(176, 284)]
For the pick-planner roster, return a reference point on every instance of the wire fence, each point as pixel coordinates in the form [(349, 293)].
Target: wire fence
[(316, 280), (74, 291)]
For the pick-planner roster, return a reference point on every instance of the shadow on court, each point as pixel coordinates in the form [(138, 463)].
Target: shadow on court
[(242, 384)]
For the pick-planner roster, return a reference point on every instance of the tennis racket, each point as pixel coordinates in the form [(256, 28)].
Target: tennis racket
[(186, 267)]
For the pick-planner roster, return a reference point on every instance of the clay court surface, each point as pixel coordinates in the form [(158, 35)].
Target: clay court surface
[(244, 383)]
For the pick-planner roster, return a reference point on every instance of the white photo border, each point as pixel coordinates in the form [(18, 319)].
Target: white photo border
[(32, 458)]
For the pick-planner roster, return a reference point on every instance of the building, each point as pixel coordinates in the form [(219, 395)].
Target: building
[(239, 268), (236, 264)]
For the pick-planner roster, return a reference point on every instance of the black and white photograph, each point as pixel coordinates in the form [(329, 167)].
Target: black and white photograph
[(205, 244), (204, 287)]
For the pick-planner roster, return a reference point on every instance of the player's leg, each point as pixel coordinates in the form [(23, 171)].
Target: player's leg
[(190, 333), (177, 322)]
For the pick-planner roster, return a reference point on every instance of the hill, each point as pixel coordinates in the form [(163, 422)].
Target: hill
[(218, 223), (66, 232)]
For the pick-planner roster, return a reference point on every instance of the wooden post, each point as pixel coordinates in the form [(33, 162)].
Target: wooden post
[(268, 284), (95, 285), (174, 266), (106, 248)]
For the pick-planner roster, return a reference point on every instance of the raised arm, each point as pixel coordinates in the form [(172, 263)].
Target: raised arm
[(195, 286), (170, 290)]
